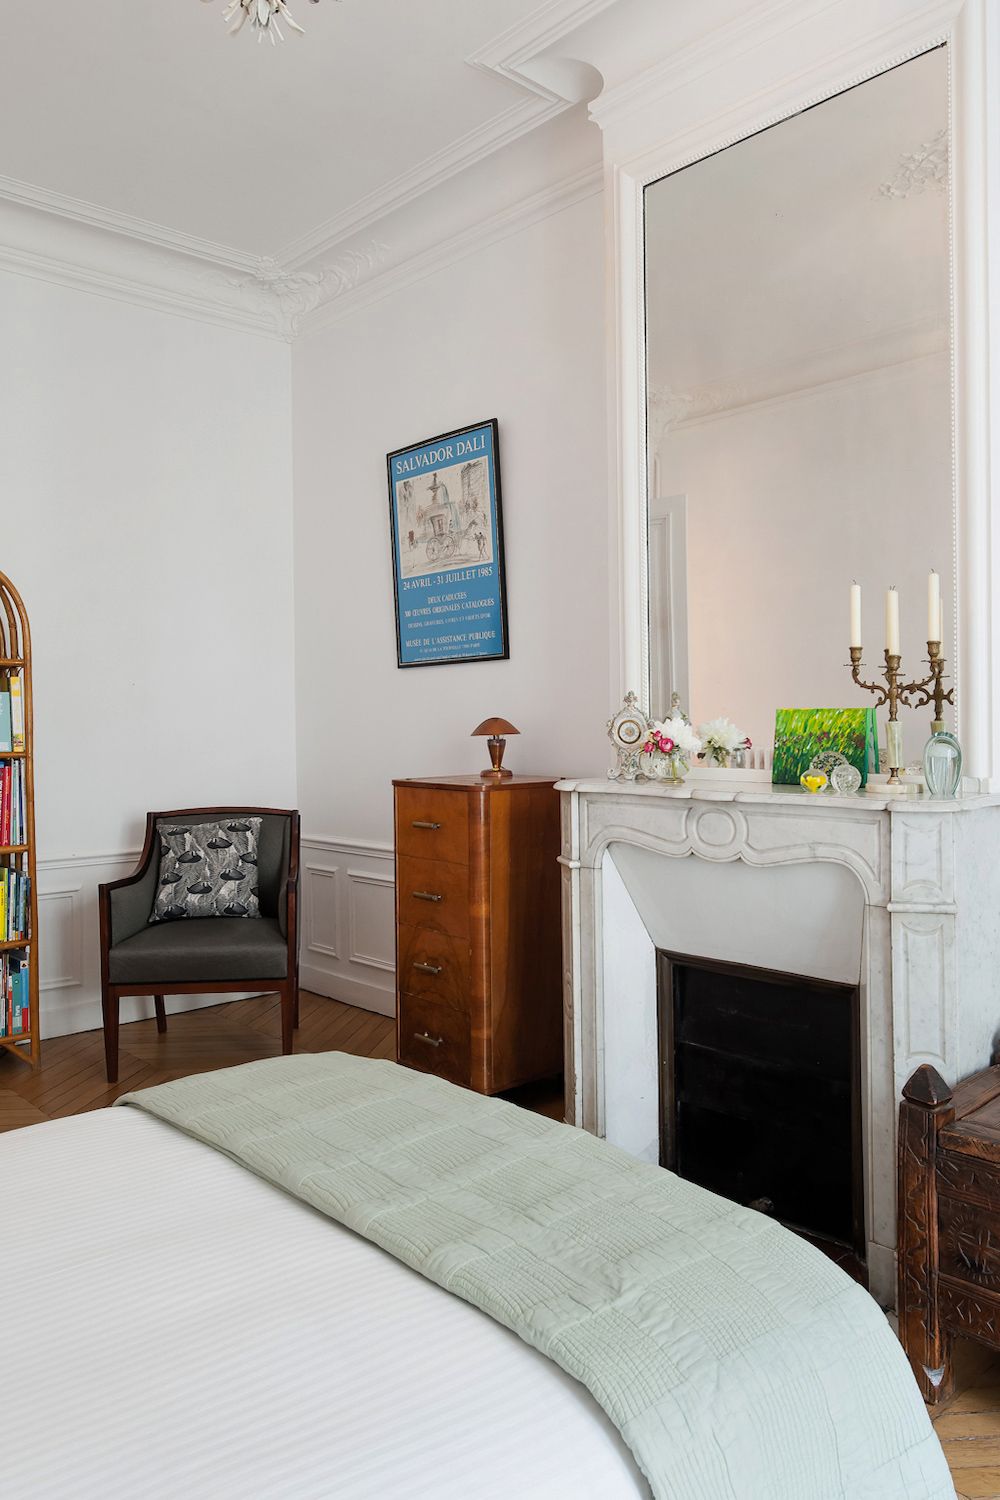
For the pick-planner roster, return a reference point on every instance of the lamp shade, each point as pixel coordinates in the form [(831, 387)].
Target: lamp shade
[(495, 727)]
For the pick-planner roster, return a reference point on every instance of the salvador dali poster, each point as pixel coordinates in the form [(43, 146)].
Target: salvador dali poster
[(447, 545)]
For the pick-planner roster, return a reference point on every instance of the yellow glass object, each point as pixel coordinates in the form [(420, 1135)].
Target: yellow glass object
[(813, 781)]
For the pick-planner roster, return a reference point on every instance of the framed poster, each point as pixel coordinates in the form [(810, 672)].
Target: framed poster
[(447, 549)]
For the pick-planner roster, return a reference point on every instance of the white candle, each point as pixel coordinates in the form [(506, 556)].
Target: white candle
[(934, 607), (855, 614), (892, 622)]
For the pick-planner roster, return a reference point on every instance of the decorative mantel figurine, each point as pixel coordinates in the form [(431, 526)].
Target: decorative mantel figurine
[(627, 732)]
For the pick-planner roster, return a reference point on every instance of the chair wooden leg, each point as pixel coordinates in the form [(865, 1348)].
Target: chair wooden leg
[(287, 1018), (161, 1013), (109, 1004), (295, 993)]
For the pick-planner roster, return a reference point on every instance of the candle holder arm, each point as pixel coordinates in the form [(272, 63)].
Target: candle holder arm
[(881, 692), (931, 689)]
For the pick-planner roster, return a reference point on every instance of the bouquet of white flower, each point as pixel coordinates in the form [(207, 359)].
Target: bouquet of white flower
[(721, 738), (669, 746)]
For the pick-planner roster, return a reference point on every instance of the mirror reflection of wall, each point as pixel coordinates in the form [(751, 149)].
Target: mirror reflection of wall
[(800, 406)]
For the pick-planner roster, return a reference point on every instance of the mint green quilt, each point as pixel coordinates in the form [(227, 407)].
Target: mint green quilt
[(737, 1361)]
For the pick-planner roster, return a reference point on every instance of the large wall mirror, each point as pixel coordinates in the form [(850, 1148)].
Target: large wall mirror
[(800, 403)]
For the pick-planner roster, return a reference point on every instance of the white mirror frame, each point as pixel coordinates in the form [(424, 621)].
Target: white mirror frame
[(700, 101)]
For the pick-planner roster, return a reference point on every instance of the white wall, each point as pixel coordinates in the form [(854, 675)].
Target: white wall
[(145, 479), (513, 331), (787, 501)]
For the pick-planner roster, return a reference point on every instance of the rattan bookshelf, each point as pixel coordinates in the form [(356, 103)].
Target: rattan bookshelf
[(15, 659)]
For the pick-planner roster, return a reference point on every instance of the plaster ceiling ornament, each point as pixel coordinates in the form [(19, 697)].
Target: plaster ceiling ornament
[(920, 171), (290, 295), (263, 15)]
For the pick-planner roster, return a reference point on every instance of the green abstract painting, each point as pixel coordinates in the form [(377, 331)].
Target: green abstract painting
[(802, 733)]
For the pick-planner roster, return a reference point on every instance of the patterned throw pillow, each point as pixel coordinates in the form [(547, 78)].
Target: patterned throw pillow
[(208, 870)]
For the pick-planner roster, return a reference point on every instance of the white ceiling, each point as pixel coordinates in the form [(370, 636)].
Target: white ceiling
[(148, 108), (784, 246)]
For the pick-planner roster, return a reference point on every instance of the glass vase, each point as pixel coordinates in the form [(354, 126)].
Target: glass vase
[(943, 765), (666, 768)]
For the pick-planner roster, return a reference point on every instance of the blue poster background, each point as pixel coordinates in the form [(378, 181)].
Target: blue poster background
[(447, 549)]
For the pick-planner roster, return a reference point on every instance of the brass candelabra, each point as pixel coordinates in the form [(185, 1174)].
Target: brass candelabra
[(931, 689)]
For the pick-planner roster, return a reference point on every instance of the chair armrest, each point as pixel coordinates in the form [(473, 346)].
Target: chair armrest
[(125, 904), (287, 897), (289, 888)]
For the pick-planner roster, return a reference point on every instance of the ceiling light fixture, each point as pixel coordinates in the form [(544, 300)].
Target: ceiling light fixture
[(263, 16)]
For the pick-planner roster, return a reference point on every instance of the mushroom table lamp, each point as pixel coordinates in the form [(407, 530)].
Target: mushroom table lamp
[(497, 729)]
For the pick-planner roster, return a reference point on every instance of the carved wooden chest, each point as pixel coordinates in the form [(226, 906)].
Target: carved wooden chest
[(949, 1220)]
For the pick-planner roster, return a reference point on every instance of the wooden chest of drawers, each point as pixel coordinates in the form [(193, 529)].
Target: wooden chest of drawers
[(478, 941), (948, 1220)]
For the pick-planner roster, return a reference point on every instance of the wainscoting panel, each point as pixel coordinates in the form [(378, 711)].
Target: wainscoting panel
[(68, 950), (348, 922)]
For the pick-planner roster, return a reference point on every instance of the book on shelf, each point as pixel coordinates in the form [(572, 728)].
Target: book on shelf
[(15, 995), (16, 712), (6, 720), (13, 824), (15, 890)]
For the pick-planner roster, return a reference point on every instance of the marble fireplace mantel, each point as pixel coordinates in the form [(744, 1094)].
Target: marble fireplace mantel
[(928, 938)]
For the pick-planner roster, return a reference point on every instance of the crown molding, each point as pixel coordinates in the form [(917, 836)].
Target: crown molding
[(119, 255), (763, 22), (879, 354), (184, 301), (516, 57), (511, 51), (562, 195), (78, 211), (502, 130), (287, 297), (764, 26)]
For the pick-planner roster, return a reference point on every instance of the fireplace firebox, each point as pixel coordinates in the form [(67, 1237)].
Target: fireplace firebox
[(760, 1094)]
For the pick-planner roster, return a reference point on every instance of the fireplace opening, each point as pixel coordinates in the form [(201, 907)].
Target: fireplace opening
[(760, 1094)]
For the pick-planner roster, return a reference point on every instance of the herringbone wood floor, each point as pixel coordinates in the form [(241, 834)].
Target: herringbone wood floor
[(71, 1080), (969, 1425)]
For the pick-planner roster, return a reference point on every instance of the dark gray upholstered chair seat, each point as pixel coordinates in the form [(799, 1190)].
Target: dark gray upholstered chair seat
[(210, 948)]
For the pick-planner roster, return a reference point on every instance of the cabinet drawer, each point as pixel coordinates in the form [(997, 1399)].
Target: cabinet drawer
[(433, 893), (433, 961), (969, 1244), (432, 824), (435, 1036), (968, 1177)]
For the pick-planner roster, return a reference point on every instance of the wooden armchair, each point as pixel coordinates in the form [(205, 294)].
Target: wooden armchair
[(207, 955)]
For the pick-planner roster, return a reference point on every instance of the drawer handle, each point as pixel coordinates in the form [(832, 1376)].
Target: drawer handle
[(425, 1036), (426, 896), (429, 968), (422, 823)]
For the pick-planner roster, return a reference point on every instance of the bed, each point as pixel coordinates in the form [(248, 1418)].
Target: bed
[(177, 1326)]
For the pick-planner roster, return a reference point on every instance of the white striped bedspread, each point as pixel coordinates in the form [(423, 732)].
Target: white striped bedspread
[(175, 1327)]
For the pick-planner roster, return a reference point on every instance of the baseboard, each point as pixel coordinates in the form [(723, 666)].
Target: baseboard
[(349, 990), (67, 1017)]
